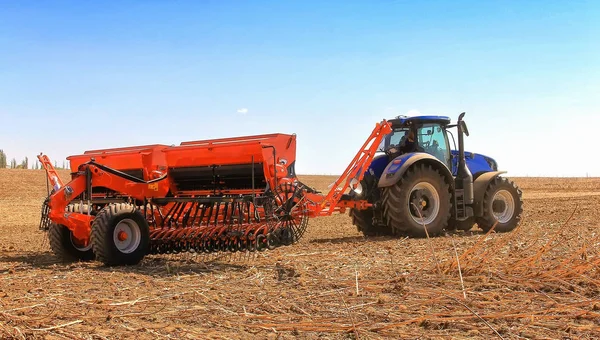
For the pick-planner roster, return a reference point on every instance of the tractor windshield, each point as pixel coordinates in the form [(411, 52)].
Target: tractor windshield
[(431, 138), (393, 138)]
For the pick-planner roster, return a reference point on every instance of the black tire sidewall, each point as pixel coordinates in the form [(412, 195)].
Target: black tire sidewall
[(440, 222), (416, 174), (62, 245), (489, 219), (363, 219), (104, 228)]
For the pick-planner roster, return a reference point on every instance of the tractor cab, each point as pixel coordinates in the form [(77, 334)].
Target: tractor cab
[(428, 133)]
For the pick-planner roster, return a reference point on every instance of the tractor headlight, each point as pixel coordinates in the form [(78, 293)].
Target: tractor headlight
[(492, 163)]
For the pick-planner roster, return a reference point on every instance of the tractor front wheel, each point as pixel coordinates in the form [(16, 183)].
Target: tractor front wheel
[(502, 202), (120, 235), (421, 198)]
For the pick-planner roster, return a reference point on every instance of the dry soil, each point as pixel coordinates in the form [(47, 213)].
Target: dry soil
[(540, 281)]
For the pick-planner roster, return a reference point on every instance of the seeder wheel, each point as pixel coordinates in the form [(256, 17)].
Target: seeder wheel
[(64, 245), (120, 235)]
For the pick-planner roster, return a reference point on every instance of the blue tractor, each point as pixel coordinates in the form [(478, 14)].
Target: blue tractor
[(418, 180)]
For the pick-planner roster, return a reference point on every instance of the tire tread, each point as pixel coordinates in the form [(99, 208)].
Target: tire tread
[(487, 221), (395, 212), (102, 235)]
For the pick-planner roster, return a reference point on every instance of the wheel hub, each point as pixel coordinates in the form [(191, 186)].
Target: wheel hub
[(503, 206), (127, 236), (499, 206), (425, 198), (122, 236)]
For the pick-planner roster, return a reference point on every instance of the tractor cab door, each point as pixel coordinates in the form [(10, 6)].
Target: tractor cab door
[(433, 140)]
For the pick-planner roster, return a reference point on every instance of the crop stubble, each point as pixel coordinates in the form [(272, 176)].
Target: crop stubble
[(540, 281)]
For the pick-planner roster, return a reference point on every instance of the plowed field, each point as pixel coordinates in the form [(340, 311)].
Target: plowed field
[(540, 281)]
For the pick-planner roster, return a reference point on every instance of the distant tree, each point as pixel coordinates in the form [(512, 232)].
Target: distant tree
[(2, 159), (63, 166), (25, 163), (13, 163)]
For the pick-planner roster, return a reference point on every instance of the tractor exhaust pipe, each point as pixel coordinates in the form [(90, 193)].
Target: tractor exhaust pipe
[(464, 178)]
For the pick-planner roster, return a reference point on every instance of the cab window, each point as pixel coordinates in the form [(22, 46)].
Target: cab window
[(394, 138), (432, 138)]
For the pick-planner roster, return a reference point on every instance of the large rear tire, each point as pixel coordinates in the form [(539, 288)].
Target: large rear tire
[(120, 235), (64, 245), (503, 202), (363, 219), (428, 190)]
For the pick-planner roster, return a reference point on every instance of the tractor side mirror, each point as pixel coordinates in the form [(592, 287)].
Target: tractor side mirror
[(464, 128)]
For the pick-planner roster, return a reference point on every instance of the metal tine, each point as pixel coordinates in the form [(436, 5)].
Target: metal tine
[(225, 208), (186, 215), (195, 214), (169, 214), (173, 217), (212, 206), (202, 214), (248, 206), (218, 204), (179, 212)]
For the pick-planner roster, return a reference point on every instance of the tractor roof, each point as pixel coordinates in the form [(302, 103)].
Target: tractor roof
[(403, 120)]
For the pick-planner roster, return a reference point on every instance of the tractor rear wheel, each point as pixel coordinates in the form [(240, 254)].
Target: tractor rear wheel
[(503, 202), (422, 196), (120, 235), (64, 245), (363, 219)]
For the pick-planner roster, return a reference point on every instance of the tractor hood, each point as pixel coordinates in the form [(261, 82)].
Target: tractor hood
[(476, 163)]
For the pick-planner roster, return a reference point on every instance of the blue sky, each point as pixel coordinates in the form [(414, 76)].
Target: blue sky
[(82, 75)]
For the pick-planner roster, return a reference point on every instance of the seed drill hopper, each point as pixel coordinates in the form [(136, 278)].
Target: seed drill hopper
[(231, 194)]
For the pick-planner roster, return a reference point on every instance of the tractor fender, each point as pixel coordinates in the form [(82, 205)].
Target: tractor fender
[(394, 171), (480, 185)]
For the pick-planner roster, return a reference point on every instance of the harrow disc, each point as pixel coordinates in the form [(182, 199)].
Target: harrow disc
[(291, 214)]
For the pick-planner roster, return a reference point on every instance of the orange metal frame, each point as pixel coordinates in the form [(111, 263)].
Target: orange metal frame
[(51, 173), (275, 151), (332, 202), (149, 158)]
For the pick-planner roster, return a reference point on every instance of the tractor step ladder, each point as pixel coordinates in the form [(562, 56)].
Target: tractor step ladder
[(459, 201)]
